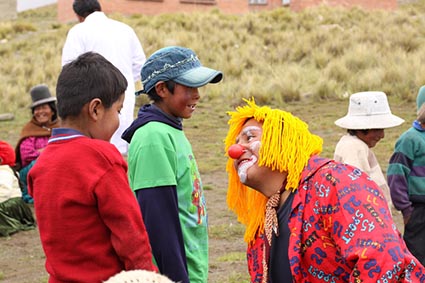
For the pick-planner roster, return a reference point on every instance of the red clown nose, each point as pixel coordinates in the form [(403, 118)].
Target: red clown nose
[(235, 151)]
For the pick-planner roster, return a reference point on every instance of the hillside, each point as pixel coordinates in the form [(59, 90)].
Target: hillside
[(307, 63)]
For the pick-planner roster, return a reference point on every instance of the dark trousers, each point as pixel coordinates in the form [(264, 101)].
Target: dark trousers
[(414, 233)]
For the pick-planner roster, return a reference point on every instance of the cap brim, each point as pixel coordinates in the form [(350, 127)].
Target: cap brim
[(369, 122), (195, 77), (199, 76)]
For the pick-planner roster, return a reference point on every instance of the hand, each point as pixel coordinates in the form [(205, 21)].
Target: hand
[(406, 219)]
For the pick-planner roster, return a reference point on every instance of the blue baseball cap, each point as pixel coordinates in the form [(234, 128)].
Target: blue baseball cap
[(178, 64)]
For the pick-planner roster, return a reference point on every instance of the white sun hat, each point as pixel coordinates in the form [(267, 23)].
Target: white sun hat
[(368, 110)]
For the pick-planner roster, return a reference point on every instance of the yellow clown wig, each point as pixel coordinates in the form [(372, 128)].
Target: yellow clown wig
[(286, 145)]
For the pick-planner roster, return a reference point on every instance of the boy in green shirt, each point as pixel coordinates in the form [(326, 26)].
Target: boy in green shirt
[(162, 168)]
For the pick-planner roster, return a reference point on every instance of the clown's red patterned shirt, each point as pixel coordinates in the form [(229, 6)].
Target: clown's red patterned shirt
[(341, 231)]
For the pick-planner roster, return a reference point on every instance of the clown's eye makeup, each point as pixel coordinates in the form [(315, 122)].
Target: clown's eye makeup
[(248, 134)]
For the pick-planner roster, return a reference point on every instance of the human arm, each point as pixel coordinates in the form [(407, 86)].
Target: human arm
[(157, 159), (120, 212), (160, 214), (363, 230), (342, 231), (398, 172), (30, 148)]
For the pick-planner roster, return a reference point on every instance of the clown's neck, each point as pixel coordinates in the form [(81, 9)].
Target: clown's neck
[(274, 183)]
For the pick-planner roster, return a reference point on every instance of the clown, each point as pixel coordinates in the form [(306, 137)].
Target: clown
[(308, 219)]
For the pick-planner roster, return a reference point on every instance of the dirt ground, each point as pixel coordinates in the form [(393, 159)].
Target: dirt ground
[(22, 258)]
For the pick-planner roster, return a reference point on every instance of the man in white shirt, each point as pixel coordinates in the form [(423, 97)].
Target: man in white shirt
[(115, 41)]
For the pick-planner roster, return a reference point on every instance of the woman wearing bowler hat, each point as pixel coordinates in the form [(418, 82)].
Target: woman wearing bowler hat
[(35, 134)]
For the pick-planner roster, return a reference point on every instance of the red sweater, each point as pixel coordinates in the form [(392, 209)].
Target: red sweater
[(90, 223)]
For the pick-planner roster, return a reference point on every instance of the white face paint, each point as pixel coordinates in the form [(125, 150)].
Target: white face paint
[(243, 167), (248, 131), (250, 138), (255, 146), (246, 164)]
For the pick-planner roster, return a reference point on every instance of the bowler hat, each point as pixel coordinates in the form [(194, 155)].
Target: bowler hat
[(178, 64), (368, 110), (40, 94)]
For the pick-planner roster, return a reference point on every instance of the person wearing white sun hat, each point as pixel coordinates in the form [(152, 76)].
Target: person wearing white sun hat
[(368, 115)]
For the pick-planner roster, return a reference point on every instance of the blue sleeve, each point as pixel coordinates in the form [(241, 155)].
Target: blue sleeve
[(398, 172), (160, 213)]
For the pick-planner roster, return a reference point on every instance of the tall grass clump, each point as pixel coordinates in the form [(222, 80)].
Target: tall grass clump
[(10, 29), (278, 56)]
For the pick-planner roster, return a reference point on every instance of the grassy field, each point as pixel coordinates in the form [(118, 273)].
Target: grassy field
[(307, 63)]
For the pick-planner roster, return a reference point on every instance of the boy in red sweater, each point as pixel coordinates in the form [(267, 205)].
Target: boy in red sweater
[(88, 217)]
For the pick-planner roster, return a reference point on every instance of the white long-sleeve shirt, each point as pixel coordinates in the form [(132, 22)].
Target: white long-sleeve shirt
[(117, 42), (353, 151)]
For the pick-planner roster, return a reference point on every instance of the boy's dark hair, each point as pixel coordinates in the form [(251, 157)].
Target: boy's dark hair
[(87, 77), (83, 8), (52, 106), (170, 85)]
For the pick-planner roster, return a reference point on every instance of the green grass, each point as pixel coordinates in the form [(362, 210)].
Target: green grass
[(235, 277), (226, 231), (233, 257)]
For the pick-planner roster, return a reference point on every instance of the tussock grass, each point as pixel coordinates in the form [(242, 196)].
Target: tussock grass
[(281, 58), (9, 29), (278, 56)]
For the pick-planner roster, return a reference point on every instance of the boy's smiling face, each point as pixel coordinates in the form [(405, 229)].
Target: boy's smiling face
[(372, 137), (182, 103)]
